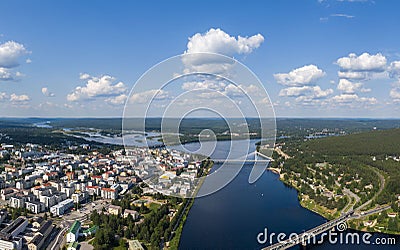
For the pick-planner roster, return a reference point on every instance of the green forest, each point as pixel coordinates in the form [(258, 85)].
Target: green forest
[(356, 162), (377, 149)]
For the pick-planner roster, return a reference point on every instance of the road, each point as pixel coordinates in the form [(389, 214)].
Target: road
[(58, 243), (322, 228), (372, 211), (381, 187), (85, 246), (59, 240), (351, 203), (280, 152), (67, 220), (304, 237), (350, 194), (86, 210), (348, 207), (178, 221)]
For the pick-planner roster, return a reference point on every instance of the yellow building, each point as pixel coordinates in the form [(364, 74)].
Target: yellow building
[(115, 210)]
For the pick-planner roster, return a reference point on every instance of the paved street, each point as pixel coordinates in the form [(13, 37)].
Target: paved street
[(65, 222)]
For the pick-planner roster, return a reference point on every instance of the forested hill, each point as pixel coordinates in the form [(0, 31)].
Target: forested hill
[(382, 142), (359, 159)]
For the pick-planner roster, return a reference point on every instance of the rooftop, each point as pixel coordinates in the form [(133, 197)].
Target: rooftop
[(45, 226), (74, 245), (91, 230), (36, 240), (128, 211), (135, 245), (14, 225), (75, 227), (114, 207)]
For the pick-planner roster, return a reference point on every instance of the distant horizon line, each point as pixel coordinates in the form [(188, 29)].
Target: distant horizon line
[(199, 117)]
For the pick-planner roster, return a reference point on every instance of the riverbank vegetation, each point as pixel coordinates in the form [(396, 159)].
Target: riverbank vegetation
[(337, 174), (160, 224)]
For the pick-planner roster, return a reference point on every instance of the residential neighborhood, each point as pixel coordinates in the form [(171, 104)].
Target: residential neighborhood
[(42, 189)]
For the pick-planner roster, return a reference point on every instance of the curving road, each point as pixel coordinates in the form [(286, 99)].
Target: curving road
[(280, 152), (59, 240), (351, 204), (381, 187)]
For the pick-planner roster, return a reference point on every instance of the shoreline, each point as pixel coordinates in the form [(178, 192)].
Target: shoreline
[(276, 171), (302, 204), (160, 144), (178, 232)]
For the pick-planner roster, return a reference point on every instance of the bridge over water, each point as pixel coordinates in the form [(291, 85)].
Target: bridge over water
[(308, 235), (254, 157)]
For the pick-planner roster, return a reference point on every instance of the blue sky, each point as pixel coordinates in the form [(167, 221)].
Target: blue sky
[(48, 49)]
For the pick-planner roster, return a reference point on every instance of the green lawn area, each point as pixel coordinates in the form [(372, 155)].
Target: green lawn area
[(154, 206), (311, 205)]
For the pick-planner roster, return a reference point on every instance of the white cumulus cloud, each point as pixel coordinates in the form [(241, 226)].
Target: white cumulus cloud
[(355, 69), (312, 92), (394, 69), (294, 91), (102, 86), (221, 88), (395, 93), (301, 76), (19, 98), (117, 100), (345, 98), (319, 93), (3, 96), (46, 92), (354, 75), (352, 99), (147, 96), (364, 62), (5, 74), (84, 76), (214, 85), (10, 52), (348, 87), (218, 41)]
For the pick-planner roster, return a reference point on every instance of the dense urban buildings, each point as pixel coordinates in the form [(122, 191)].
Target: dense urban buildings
[(37, 182)]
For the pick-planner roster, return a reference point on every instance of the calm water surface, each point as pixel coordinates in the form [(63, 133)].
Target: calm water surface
[(233, 217)]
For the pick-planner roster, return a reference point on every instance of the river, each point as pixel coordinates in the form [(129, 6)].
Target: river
[(233, 217)]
